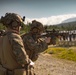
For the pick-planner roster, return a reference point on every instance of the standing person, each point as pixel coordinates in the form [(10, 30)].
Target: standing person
[(13, 56), (32, 41)]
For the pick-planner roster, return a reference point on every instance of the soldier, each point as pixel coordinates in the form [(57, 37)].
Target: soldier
[(33, 44), (13, 57)]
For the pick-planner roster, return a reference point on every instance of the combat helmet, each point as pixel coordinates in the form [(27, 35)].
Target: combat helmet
[(38, 25), (11, 20)]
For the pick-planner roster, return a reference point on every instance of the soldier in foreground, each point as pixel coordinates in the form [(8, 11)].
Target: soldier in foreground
[(32, 41), (13, 57)]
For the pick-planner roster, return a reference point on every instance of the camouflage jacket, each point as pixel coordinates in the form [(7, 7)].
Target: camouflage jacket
[(33, 47), (13, 54), (18, 47)]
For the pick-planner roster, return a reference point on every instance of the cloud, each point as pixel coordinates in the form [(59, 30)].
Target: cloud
[(51, 20)]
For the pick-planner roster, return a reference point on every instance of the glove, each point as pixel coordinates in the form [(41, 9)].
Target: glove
[(31, 65), (47, 40)]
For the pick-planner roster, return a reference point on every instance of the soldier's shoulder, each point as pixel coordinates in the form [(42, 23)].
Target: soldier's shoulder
[(14, 35)]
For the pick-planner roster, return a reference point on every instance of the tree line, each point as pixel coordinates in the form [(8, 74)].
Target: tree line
[(60, 27)]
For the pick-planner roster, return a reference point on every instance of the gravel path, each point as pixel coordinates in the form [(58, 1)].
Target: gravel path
[(48, 65)]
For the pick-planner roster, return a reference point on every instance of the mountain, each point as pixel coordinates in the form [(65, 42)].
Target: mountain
[(69, 24), (69, 20)]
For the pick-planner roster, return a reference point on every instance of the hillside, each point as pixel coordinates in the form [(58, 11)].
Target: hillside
[(68, 24), (69, 20)]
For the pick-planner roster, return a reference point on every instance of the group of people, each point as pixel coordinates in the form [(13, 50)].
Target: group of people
[(19, 53)]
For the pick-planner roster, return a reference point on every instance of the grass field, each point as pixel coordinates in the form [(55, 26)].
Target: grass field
[(68, 53)]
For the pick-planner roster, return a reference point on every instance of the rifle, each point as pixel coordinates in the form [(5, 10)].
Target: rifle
[(50, 34)]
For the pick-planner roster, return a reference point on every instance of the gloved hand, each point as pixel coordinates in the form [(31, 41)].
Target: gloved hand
[(31, 64), (47, 39)]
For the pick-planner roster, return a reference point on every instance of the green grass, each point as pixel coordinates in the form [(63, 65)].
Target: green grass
[(63, 53), (68, 54)]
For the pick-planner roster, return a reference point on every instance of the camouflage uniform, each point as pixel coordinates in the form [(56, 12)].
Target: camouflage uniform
[(34, 45), (18, 47), (13, 55)]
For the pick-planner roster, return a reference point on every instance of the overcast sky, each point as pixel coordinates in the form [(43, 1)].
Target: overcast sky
[(45, 11)]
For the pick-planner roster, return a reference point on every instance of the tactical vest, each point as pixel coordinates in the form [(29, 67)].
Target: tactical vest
[(8, 59)]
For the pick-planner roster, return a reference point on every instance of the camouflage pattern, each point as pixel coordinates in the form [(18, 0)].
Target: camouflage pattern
[(18, 48), (13, 51), (12, 46), (33, 46), (38, 25), (11, 20)]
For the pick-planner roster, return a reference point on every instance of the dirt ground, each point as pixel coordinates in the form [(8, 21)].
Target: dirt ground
[(48, 65)]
